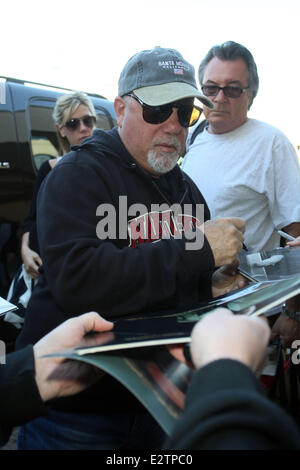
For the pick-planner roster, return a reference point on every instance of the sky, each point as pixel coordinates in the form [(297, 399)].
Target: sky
[(84, 45)]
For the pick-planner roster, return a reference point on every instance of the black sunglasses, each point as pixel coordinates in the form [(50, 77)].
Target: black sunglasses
[(73, 124), (229, 91), (188, 115)]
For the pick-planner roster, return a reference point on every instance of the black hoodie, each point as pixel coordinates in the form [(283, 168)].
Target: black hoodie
[(82, 272)]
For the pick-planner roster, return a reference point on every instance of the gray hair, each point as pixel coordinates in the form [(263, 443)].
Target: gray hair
[(231, 50), (65, 106)]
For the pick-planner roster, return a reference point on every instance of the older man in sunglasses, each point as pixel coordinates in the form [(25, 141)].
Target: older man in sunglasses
[(119, 227), (245, 167)]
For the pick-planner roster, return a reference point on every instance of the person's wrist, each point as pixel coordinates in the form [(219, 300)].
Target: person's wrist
[(25, 249), (293, 315), (45, 386)]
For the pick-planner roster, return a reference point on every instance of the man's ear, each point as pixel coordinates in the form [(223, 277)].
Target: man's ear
[(250, 100), (119, 105)]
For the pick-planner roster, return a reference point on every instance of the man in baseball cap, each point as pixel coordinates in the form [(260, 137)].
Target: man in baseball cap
[(118, 193)]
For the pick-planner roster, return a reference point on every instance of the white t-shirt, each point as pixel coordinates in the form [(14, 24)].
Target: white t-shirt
[(252, 173)]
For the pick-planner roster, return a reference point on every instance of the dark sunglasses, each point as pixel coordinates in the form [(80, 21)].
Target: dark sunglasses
[(229, 91), (188, 115), (73, 124)]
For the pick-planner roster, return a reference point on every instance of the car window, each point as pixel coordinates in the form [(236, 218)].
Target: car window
[(43, 138)]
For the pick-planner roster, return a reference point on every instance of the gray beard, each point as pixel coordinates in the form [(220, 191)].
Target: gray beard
[(161, 164)]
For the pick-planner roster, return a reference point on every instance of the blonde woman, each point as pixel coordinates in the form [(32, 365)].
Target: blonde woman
[(75, 119)]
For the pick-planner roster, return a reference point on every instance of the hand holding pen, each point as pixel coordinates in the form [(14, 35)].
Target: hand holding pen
[(292, 241)]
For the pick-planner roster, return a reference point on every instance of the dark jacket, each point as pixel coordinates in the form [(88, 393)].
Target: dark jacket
[(112, 276), (82, 272), (30, 221), (226, 409), (19, 396)]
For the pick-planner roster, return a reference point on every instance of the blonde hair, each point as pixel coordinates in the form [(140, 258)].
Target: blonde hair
[(65, 106)]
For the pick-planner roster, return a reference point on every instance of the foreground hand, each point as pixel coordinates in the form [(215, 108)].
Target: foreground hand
[(57, 376), (286, 329), (227, 279), (176, 350), (222, 335), (225, 237), (32, 262)]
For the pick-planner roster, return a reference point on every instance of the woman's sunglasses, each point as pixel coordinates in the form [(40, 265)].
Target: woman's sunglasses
[(188, 115), (74, 124)]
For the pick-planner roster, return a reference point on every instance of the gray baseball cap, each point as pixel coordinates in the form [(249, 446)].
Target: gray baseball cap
[(160, 76)]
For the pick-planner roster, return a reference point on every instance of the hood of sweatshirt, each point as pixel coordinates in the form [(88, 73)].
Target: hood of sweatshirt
[(109, 143)]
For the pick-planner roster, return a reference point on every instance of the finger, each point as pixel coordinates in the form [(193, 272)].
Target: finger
[(216, 314), (222, 311), (240, 237), (238, 223), (266, 330), (234, 265), (294, 242), (32, 265), (34, 275), (92, 321), (229, 269), (241, 281), (37, 260), (33, 271), (232, 269), (263, 318), (177, 352)]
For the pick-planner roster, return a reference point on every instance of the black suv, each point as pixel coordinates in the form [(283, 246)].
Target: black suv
[(27, 139)]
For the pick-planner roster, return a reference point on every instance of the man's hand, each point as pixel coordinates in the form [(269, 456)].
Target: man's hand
[(225, 237), (32, 262), (30, 258), (296, 242), (287, 329), (57, 376), (222, 335), (226, 279)]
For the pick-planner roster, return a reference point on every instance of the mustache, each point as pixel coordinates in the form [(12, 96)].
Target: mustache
[(172, 141), (219, 109)]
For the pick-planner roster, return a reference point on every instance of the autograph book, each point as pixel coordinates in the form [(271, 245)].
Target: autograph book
[(135, 351), (162, 328)]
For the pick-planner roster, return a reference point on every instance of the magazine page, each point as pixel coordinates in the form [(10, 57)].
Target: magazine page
[(153, 375), (6, 306), (161, 328)]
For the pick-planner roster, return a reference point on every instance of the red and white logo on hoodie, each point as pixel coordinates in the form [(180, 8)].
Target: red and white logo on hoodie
[(155, 226)]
